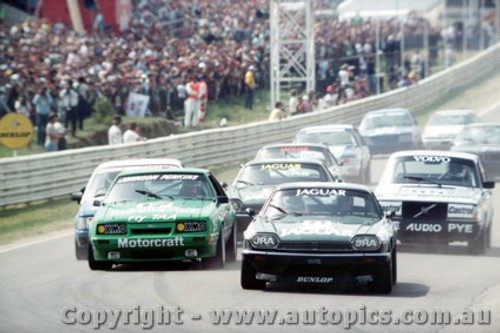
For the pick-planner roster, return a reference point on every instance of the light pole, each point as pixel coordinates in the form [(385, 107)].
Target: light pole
[(377, 55), (445, 30), (497, 20), (480, 25), (426, 48)]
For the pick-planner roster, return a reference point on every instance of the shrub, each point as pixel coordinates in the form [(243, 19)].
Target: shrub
[(104, 111)]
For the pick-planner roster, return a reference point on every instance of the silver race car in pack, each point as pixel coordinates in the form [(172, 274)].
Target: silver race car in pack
[(438, 197), (305, 151)]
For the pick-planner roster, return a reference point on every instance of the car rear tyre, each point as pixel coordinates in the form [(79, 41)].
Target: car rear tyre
[(220, 255), (81, 252), (232, 245), (248, 280), (478, 246), (97, 265), (383, 279)]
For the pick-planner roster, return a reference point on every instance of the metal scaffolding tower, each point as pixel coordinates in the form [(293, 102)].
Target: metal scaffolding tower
[(292, 47)]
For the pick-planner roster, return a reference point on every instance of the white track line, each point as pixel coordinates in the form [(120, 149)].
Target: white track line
[(20, 246), (489, 109)]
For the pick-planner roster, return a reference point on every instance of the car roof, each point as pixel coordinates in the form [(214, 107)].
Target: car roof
[(311, 145), (140, 161), (481, 125), (328, 127), (454, 112), (447, 153), (165, 171), (285, 161), (385, 111), (331, 185)]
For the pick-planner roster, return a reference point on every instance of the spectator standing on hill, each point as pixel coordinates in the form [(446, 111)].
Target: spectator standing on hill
[(250, 87), (417, 64), (69, 102), (301, 106), (278, 112), (53, 134), (23, 107), (132, 134), (306, 104), (293, 103), (12, 94), (192, 103), (203, 99), (313, 101), (61, 132), (330, 98), (84, 106), (371, 72), (114, 132), (42, 101), (344, 75)]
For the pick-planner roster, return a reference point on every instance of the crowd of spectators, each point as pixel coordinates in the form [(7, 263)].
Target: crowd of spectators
[(170, 41)]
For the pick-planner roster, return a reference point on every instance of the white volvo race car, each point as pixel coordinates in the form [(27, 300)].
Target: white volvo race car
[(438, 197)]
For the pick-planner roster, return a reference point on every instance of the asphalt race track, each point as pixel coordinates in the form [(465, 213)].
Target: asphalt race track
[(42, 285)]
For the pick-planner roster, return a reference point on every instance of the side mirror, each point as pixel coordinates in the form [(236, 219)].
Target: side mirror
[(250, 211), (97, 203), (222, 199), (489, 185), (77, 196), (391, 214)]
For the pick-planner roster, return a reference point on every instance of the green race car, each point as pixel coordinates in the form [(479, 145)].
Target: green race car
[(163, 215)]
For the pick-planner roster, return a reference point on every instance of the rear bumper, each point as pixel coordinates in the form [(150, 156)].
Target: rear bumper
[(438, 144), (390, 147)]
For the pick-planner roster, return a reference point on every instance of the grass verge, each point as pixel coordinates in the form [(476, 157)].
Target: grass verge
[(37, 218)]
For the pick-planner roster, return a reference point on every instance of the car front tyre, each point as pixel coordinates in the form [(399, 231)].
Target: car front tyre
[(248, 280), (97, 265), (394, 265), (220, 255), (383, 279), (81, 252), (478, 245), (488, 237)]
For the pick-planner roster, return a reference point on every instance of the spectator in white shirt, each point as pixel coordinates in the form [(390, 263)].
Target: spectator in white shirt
[(69, 101), (114, 132), (132, 134), (344, 75), (54, 131), (293, 103), (23, 107)]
